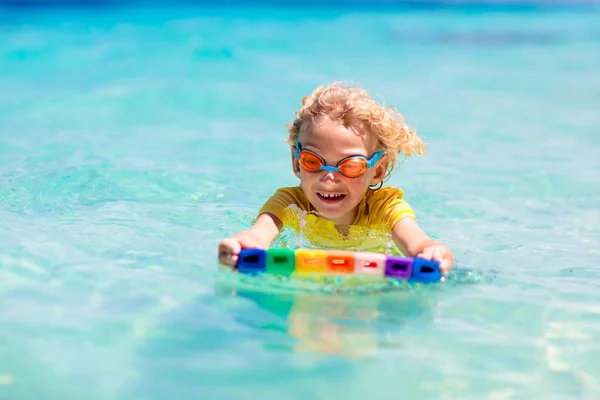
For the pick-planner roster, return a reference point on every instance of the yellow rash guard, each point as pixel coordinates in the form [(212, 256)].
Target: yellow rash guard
[(378, 212)]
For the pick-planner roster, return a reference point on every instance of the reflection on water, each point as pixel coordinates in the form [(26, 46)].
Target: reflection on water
[(348, 325)]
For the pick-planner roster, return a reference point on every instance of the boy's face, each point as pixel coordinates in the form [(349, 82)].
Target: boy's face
[(334, 195)]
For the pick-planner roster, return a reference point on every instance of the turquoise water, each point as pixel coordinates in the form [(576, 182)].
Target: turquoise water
[(132, 140)]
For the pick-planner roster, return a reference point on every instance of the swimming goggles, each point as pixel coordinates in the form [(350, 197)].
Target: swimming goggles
[(351, 166)]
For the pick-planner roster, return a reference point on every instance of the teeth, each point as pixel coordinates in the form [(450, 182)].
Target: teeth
[(326, 195)]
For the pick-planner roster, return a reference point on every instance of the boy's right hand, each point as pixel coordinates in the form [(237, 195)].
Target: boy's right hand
[(229, 249), (261, 234)]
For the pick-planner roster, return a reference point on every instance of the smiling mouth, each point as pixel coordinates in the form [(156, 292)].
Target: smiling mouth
[(330, 197)]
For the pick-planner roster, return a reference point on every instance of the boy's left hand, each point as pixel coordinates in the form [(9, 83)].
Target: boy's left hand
[(439, 253)]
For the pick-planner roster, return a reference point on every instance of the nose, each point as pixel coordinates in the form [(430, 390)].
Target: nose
[(330, 176)]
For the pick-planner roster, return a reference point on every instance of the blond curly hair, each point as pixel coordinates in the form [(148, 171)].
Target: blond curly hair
[(353, 108)]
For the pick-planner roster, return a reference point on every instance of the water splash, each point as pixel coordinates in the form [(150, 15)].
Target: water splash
[(335, 284), (328, 235)]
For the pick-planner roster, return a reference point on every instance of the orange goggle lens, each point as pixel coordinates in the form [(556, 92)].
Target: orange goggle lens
[(310, 162), (352, 167)]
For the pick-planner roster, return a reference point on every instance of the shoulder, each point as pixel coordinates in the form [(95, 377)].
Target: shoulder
[(385, 194), (285, 197), (285, 204), (293, 194), (388, 205)]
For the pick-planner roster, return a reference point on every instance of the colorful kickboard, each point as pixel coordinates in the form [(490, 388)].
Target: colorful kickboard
[(285, 262)]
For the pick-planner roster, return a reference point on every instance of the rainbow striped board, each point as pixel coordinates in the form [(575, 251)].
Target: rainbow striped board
[(309, 262)]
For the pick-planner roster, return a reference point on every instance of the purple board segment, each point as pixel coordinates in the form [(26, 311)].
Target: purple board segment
[(398, 267)]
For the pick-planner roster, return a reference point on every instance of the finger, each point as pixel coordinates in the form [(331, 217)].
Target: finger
[(449, 261), (438, 253), (228, 260), (444, 267), (228, 252), (229, 246), (427, 253), (445, 258)]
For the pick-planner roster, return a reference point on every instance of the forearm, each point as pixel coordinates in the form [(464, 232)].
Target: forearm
[(260, 235), (266, 227), (410, 239)]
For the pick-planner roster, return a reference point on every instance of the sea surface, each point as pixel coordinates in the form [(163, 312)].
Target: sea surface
[(133, 138)]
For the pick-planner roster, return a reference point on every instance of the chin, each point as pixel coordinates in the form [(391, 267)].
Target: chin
[(333, 214)]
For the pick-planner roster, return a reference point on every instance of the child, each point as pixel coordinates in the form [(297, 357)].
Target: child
[(343, 147)]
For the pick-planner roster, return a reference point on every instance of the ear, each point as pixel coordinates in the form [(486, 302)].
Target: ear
[(380, 170), (295, 163)]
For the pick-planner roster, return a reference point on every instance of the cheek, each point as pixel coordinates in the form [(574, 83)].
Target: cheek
[(307, 179), (357, 184), (305, 175)]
